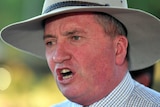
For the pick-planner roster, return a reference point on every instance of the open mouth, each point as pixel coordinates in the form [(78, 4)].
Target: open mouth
[(66, 73)]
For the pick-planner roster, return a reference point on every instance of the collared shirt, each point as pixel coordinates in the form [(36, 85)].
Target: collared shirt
[(128, 93)]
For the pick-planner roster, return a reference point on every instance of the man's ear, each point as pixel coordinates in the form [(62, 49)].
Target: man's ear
[(121, 44)]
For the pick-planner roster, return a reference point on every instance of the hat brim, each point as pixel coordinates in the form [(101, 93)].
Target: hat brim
[(143, 33)]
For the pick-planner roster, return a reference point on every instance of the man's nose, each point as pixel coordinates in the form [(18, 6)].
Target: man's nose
[(61, 54)]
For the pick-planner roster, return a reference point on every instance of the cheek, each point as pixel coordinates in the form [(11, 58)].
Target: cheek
[(97, 62)]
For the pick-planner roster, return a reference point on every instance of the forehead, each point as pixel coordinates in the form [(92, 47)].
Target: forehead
[(82, 15), (72, 23)]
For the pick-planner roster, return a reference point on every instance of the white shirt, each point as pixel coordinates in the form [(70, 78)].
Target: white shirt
[(128, 93)]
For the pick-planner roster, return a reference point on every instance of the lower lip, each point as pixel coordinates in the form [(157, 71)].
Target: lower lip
[(65, 81)]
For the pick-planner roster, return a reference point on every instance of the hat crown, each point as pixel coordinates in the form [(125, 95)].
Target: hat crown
[(56, 3)]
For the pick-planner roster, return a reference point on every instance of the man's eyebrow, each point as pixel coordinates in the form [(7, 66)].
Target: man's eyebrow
[(72, 32), (67, 33), (48, 36)]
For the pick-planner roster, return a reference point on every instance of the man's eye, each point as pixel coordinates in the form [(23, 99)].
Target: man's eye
[(50, 43), (76, 38)]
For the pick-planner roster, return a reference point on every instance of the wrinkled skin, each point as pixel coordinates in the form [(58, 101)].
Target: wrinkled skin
[(79, 44)]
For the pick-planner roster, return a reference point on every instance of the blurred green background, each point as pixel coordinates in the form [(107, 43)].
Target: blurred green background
[(32, 84)]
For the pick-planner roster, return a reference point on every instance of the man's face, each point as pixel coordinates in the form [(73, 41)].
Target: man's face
[(81, 56)]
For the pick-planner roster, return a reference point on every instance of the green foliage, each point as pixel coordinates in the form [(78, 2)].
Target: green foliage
[(16, 10), (151, 6)]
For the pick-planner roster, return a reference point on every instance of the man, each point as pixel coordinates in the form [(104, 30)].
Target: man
[(86, 47)]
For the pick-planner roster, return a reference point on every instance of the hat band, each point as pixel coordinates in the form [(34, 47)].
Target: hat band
[(71, 3)]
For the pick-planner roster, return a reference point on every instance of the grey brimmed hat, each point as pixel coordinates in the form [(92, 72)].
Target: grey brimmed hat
[(143, 28)]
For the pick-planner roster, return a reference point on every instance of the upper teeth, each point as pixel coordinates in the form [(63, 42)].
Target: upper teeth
[(65, 71)]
